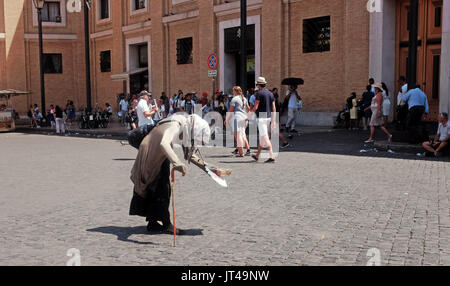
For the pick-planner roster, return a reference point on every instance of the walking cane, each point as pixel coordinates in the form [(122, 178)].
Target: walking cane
[(172, 183)]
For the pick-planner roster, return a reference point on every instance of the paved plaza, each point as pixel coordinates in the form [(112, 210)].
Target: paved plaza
[(322, 203)]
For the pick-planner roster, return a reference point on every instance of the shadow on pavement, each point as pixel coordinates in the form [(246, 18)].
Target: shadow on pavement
[(348, 143), (124, 159), (123, 233)]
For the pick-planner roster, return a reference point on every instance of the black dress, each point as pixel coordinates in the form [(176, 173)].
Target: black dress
[(156, 206)]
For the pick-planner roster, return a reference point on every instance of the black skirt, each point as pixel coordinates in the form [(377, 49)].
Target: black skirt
[(156, 206)]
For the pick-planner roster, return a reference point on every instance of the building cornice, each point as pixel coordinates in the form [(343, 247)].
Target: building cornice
[(136, 27), (181, 16), (59, 37), (235, 7), (101, 34)]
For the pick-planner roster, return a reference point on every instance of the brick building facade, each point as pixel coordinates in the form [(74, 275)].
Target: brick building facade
[(163, 45)]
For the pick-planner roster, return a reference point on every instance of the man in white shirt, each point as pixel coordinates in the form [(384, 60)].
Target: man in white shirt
[(123, 108), (442, 137), (402, 107), (143, 111), (294, 97)]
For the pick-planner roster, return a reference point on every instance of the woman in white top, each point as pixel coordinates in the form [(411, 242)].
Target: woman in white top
[(386, 104), (238, 110)]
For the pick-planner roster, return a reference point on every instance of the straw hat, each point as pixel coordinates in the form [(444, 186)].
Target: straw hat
[(261, 80), (379, 86)]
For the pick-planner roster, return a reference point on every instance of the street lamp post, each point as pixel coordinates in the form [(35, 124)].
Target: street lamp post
[(413, 20), (243, 46), (87, 55), (39, 4)]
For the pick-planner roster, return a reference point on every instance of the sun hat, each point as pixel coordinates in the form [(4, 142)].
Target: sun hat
[(261, 80), (379, 86)]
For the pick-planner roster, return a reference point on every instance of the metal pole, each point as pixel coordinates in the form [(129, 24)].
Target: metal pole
[(413, 35), (41, 62), (87, 57), (243, 45)]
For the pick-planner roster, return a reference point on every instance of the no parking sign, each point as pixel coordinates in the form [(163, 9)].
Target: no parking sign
[(212, 61)]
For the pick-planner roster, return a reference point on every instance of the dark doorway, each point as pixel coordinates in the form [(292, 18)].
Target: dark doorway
[(233, 59), (138, 82)]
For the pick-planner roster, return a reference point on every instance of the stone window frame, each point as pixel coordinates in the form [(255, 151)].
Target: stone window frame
[(177, 2), (98, 12), (134, 11), (63, 13)]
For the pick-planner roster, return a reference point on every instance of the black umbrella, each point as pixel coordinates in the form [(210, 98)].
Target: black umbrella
[(293, 81)]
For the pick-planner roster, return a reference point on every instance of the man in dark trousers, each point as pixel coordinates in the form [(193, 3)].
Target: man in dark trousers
[(417, 105), (265, 111)]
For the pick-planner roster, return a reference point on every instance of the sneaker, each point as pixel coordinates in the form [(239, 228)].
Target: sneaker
[(270, 160), (285, 145), (293, 131), (368, 141), (290, 136), (255, 158), (248, 153), (235, 152)]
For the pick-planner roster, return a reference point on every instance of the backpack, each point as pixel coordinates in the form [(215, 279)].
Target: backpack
[(136, 136)]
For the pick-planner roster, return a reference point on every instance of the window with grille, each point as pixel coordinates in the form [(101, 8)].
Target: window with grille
[(184, 51), (51, 12), (316, 34), (52, 63), (105, 61)]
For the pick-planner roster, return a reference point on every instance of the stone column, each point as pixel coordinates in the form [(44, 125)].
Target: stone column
[(382, 47), (118, 46), (15, 52), (444, 101)]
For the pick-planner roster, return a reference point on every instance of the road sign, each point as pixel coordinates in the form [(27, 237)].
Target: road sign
[(212, 61), (212, 73)]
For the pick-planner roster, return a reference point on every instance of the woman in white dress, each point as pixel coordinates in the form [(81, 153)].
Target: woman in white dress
[(386, 104)]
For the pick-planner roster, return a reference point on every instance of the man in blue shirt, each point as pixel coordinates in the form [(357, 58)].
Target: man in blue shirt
[(417, 105)]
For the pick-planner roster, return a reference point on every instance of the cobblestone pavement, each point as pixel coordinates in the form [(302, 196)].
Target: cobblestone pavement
[(322, 203)]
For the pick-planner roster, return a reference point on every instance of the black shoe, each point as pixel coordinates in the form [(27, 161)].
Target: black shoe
[(154, 226), (293, 131), (248, 153), (270, 161), (285, 145), (291, 136), (235, 152), (169, 230), (256, 158)]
